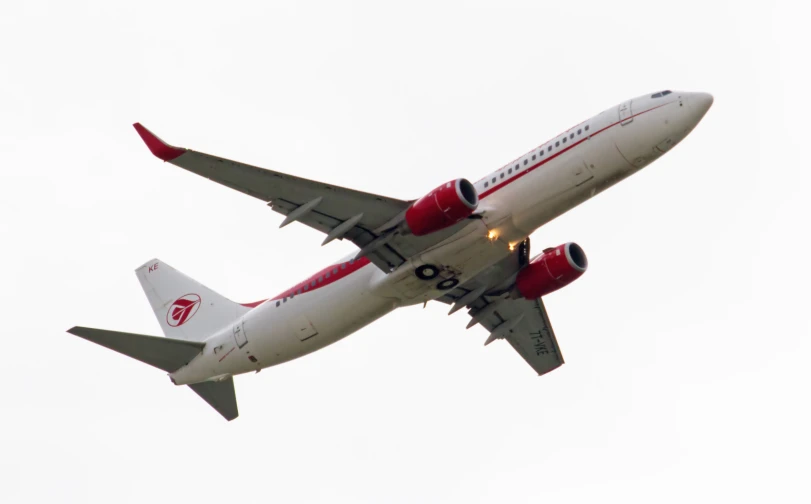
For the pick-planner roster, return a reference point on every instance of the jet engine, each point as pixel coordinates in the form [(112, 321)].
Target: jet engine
[(443, 207), (554, 268)]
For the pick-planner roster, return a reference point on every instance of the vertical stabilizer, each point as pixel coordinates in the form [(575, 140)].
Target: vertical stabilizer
[(185, 308)]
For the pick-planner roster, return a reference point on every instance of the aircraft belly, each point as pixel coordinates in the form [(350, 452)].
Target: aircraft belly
[(311, 321), (460, 257)]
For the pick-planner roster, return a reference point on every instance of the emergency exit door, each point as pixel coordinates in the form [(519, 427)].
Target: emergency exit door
[(625, 114), (239, 334)]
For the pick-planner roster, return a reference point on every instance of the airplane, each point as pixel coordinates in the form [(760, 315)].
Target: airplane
[(464, 244)]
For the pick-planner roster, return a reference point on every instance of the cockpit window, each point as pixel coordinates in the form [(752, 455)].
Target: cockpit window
[(661, 94)]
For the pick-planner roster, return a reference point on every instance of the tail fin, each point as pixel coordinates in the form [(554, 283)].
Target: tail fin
[(185, 309)]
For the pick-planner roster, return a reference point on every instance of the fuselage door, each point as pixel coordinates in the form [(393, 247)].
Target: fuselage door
[(239, 334), (626, 116), (581, 173), (303, 328)]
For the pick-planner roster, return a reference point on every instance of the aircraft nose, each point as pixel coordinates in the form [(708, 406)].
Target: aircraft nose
[(699, 103)]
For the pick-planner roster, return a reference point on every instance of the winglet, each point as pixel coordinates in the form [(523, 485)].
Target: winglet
[(159, 148)]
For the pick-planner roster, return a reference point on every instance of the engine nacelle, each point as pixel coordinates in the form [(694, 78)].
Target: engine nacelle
[(443, 207), (548, 272)]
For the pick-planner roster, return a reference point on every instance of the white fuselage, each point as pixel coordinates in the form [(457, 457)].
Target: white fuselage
[(515, 200)]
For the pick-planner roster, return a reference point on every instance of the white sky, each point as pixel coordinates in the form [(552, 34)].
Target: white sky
[(687, 342)]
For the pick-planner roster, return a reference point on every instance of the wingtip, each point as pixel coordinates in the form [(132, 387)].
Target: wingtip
[(159, 148)]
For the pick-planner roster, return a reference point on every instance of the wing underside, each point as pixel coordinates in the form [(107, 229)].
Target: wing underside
[(364, 219), (523, 323), (532, 336)]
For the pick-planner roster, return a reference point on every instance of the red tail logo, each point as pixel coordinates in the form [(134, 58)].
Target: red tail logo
[(182, 310)]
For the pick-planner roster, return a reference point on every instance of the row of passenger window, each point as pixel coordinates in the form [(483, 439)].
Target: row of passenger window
[(536, 156), (316, 281)]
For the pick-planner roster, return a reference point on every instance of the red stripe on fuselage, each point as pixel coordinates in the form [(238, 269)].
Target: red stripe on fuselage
[(323, 278), (232, 349), (514, 177)]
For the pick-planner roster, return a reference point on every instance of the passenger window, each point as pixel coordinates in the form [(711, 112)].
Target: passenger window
[(564, 139), (312, 284), (579, 131), (549, 149), (320, 279), (525, 163), (557, 144), (502, 174), (327, 274), (284, 300), (533, 156), (587, 127), (486, 184), (510, 170), (343, 266), (306, 288), (298, 292), (571, 136), (351, 261), (494, 180), (278, 303)]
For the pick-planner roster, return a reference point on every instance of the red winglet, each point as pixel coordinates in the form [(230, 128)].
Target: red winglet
[(159, 148)]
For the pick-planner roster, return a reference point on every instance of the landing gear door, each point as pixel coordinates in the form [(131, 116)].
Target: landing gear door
[(239, 334), (626, 116)]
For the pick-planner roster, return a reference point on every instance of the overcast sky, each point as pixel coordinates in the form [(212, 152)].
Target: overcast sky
[(687, 342)]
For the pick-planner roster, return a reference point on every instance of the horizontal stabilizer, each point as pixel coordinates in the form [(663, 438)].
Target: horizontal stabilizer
[(220, 395), (163, 353)]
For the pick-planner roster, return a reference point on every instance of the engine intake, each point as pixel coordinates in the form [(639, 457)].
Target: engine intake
[(441, 208), (554, 268)]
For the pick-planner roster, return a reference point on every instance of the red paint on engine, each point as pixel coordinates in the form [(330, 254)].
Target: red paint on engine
[(551, 270), (443, 207)]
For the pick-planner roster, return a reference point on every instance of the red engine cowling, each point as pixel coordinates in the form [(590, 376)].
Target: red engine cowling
[(548, 272), (443, 207)]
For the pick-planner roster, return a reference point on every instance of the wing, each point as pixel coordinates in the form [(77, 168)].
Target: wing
[(523, 323), (341, 213)]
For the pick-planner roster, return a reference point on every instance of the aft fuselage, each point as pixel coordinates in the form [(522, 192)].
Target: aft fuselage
[(515, 200)]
